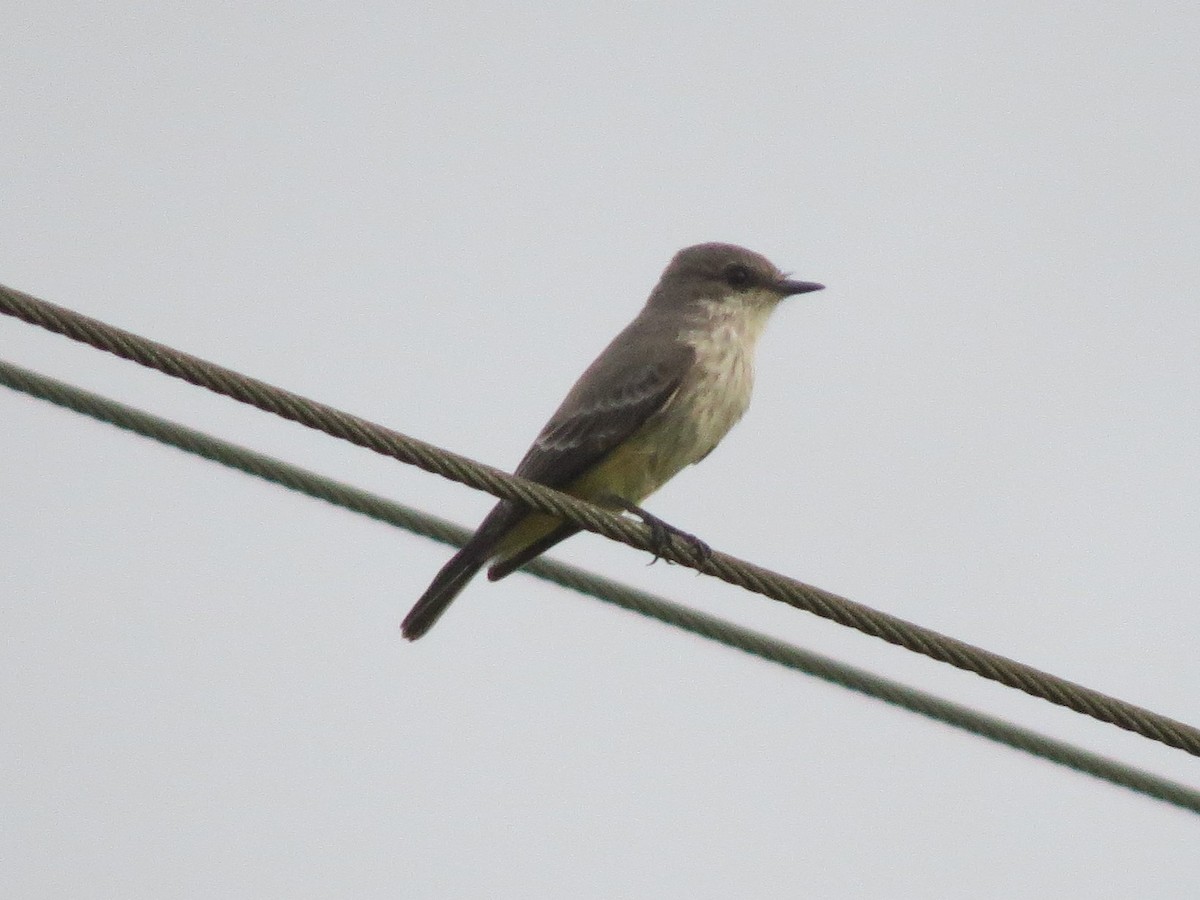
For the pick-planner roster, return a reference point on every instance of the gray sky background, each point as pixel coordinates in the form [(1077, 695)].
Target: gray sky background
[(434, 217)]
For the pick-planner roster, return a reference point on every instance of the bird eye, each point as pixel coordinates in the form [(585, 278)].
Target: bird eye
[(738, 276)]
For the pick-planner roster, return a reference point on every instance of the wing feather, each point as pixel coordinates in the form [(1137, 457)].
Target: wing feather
[(607, 405)]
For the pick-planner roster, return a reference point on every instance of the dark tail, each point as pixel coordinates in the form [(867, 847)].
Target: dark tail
[(447, 584)]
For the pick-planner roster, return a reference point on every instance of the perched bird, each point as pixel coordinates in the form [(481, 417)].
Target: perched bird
[(658, 398)]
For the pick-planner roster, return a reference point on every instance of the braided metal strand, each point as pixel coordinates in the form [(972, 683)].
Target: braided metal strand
[(589, 584), (728, 568)]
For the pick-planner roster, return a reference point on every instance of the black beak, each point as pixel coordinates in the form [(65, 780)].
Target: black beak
[(788, 288)]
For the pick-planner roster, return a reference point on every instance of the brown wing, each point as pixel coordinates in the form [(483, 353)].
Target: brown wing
[(614, 399)]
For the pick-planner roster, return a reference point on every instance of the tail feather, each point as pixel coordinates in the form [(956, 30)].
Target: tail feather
[(447, 584), (462, 567)]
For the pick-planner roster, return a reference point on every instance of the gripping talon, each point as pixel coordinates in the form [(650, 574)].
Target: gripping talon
[(661, 532)]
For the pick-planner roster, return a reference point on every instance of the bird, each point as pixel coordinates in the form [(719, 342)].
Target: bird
[(658, 398)]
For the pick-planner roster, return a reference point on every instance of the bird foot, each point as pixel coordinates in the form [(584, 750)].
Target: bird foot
[(661, 533)]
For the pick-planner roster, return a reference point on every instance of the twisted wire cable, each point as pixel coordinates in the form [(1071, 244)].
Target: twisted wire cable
[(604, 589), (728, 568)]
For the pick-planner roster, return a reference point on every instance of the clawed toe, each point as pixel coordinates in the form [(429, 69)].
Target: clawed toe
[(702, 551), (660, 537), (661, 533)]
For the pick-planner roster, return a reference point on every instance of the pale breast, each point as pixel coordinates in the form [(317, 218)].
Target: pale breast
[(712, 398), (718, 393)]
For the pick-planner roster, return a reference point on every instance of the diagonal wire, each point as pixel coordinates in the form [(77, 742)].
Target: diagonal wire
[(735, 571), (601, 588)]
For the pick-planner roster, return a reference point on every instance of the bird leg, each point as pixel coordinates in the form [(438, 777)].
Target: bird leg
[(661, 532)]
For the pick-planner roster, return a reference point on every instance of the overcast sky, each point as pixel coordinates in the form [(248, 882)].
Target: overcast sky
[(435, 217)]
